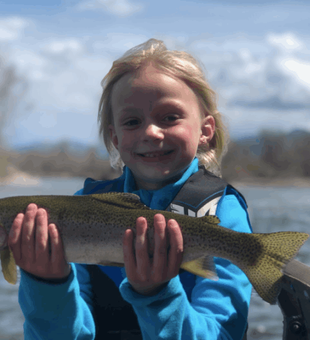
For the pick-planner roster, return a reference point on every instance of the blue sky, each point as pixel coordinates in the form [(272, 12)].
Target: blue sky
[(256, 56)]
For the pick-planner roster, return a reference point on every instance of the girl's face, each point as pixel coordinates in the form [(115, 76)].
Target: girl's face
[(157, 126)]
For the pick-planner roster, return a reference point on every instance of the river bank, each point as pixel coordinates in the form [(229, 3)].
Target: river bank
[(23, 168), (298, 182), (21, 178), (55, 163)]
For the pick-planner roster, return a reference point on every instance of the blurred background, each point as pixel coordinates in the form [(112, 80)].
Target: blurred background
[(54, 55), (256, 56)]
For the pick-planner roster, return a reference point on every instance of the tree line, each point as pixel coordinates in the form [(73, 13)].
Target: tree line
[(269, 155)]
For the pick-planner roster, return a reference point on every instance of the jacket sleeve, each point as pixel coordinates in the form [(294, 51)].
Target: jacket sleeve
[(216, 310), (57, 311)]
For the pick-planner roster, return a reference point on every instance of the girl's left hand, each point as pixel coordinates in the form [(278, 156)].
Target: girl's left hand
[(149, 275)]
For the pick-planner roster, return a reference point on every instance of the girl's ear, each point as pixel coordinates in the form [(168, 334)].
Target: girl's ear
[(113, 136), (207, 130)]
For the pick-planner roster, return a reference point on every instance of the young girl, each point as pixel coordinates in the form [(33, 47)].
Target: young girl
[(160, 125)]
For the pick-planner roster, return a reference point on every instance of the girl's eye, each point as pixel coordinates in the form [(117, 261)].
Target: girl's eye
[(170, 118), (132, 122)]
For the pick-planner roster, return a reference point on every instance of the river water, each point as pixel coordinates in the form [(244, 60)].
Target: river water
[(271, 209)]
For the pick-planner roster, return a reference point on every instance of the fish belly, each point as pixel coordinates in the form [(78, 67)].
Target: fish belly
[(92, 243)]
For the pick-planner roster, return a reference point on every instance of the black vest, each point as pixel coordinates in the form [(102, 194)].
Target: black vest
[(114, 317)]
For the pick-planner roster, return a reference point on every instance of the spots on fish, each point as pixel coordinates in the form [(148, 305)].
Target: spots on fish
[(92, 230)]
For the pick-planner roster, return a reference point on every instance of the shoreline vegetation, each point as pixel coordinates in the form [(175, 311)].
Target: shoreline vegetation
[(272, 159), (54, 163)]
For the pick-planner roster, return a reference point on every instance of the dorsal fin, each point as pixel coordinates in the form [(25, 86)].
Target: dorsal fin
[(121, 199), (211, 219)]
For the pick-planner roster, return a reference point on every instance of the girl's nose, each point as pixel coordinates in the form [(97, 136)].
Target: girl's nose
[(153, 132)]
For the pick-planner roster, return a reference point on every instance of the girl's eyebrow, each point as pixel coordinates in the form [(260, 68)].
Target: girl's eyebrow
[(170, 104), (128, 112)]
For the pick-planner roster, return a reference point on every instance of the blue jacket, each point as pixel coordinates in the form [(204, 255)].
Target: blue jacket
[(189, 307)]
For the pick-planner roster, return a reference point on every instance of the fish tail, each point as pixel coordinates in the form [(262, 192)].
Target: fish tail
[(271, 253), (8, 265)]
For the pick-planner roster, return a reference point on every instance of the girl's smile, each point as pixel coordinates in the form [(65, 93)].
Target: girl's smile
[(158, 126), (154, 155)]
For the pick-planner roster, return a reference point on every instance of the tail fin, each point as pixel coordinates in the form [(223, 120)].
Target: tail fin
[(8, 266), (277, 249)]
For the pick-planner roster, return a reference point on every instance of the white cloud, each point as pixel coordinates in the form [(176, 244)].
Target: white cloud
[(263, 74), (286, 41), (120, 8), (253, 76), (298, 68), (118, 43), (11, 28), (64, 74), (29, 63), (63, 46)]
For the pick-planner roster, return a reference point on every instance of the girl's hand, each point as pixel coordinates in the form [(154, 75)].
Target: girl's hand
[(149, 275), (37, 246)]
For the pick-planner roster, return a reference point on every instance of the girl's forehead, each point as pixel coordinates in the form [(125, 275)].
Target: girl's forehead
[(152, 88), (149, 81)]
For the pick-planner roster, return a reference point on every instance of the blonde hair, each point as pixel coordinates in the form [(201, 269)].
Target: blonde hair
[(175, 63)]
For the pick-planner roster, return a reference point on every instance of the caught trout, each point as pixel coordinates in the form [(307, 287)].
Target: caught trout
[(92, 227)]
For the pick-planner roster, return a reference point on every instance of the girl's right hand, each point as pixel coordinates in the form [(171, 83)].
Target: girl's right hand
[(37, 246)]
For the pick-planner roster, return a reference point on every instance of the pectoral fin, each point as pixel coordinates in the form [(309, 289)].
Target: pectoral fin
[(203, 266), (123, 200), (8, 266)]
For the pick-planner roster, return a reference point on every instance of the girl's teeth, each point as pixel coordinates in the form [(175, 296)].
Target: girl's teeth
[(154, 154)]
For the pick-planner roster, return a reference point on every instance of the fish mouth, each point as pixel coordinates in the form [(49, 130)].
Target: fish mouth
[(155, 154)]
